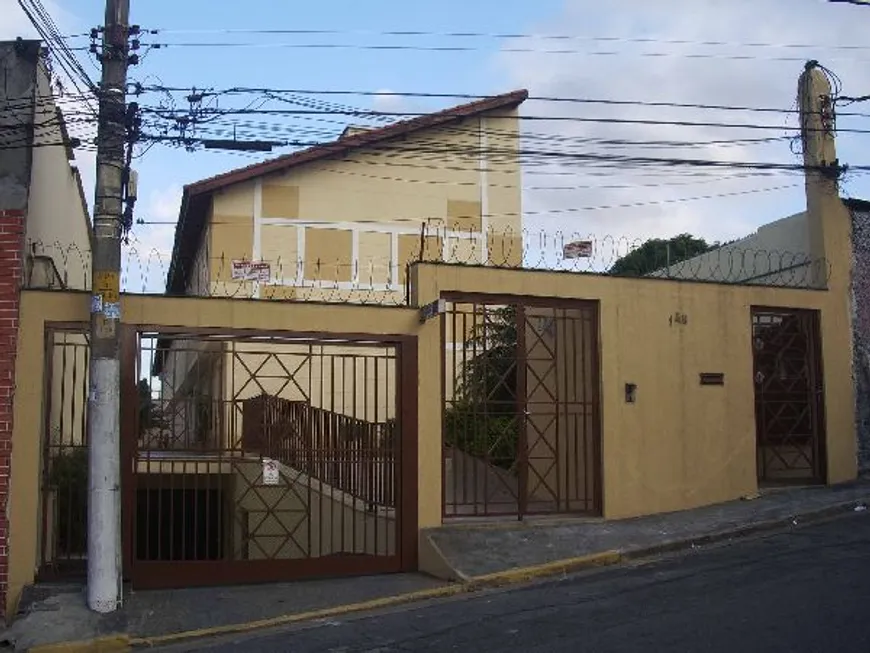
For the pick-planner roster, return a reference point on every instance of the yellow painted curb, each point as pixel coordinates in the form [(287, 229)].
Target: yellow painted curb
[(499, 579), (108, 644), (284, 620), (524, 574), (123, 643)]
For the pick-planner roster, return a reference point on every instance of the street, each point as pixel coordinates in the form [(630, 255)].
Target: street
[(803, 591)]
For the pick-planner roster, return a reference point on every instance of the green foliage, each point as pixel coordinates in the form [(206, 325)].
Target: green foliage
[(656, 254), (482, 418), (68, 476)]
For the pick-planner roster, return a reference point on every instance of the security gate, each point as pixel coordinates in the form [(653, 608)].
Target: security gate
[(63, 529), (521, 406), (789, 395), (257, 457)]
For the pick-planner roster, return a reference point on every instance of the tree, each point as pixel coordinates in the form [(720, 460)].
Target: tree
[(482, 417), (656, 254)]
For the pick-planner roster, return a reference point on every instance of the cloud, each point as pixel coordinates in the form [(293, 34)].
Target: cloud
[(149, 252), (386, 100), (16, 23), (667, 69)]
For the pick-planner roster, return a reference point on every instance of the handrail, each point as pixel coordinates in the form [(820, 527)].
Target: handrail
[(350, 454)]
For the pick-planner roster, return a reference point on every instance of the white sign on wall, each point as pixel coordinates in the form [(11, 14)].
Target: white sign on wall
[(271, 473), (250, 271), (577, 249)]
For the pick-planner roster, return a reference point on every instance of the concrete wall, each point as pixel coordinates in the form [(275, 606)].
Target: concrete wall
[(322, 520), (352, 224), (41, 180), (681, 444), (58, 225), (198, 284), (861, 339), (18, 64), (41, 307)]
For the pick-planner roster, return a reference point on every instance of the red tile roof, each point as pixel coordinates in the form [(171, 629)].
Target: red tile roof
[(197, 196)]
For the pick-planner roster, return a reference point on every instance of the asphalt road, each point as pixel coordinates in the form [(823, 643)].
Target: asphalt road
[(803, 591)]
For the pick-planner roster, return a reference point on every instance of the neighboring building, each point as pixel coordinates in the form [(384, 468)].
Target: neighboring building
[(38, 173), (860, 210), (45, 238), (341, 221), (777, 254)]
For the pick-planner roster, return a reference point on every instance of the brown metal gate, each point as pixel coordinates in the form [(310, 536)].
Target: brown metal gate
[(64, 488), (521, 406), (255, 457), (789, 395)]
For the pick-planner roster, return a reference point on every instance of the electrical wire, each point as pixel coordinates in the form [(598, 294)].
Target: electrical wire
[(548, 212), (457, 49), (510, 154), (497, 35), (256, 129), (467, 96), (522, 117), (66, 60)]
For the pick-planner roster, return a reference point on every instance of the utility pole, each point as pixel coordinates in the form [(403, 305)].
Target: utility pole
[(104, 489), (822, 168)]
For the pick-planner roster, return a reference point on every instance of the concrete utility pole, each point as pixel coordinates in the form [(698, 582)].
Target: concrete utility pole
[(104, 491), (820, 158)]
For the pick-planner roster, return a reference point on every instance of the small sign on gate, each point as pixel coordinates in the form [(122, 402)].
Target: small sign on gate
[(271, 474)]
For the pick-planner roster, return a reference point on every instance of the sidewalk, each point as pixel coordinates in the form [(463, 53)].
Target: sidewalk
[(483, 549), (482, 555)]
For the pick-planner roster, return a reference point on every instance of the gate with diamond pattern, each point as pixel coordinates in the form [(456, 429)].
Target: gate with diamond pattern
[(521, 416), (254, 457), (789, 395)]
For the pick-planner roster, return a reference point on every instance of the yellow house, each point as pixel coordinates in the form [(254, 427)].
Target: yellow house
[(342, 220), (337, 222)]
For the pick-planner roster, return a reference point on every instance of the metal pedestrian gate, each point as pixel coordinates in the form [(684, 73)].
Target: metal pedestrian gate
[(255, 457), (789, 395), (521, 418), (63, 528)]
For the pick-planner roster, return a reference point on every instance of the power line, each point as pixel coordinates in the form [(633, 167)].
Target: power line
[(522, 117), (457, 49), (468, 96), (396, 156), (247, 128), (622, 160), (502, 36), (548, 212), (707, 178), (47, 29)]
